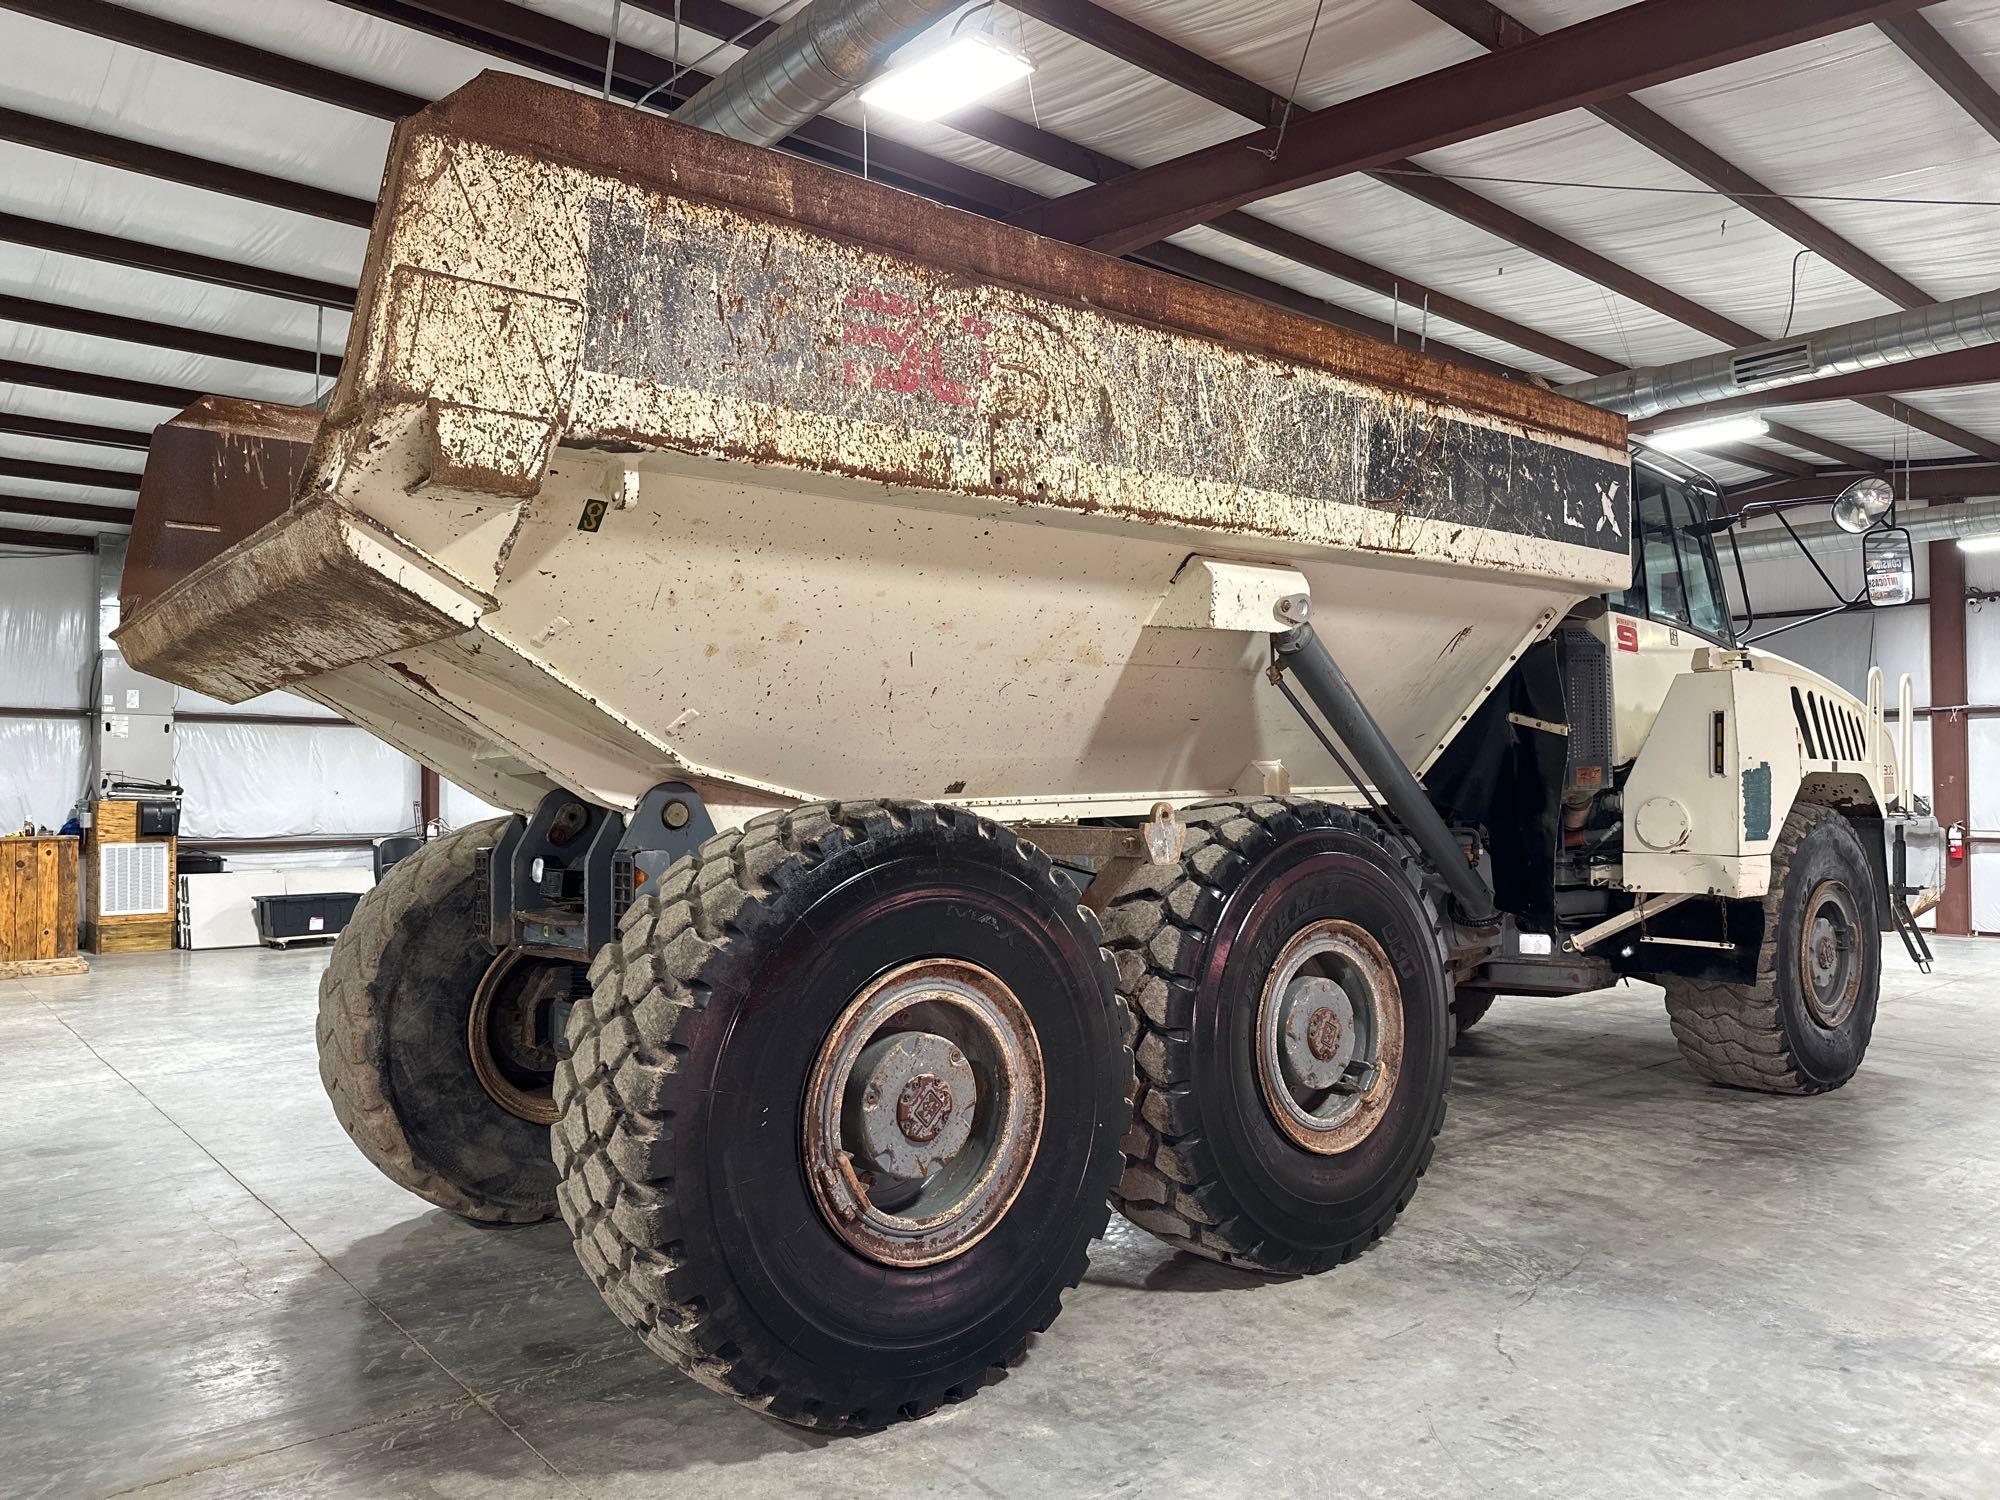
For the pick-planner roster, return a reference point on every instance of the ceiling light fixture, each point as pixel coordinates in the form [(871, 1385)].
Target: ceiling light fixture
[(1979, 543), (1697, 437), (962, 71)]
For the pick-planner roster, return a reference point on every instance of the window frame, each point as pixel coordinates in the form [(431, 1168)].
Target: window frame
[(1699, 494)]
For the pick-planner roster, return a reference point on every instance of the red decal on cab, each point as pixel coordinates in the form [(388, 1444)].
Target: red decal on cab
[(1628, 635)]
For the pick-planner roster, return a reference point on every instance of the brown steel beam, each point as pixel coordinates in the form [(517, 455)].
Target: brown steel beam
[(205, 49), (85, 474), (1929, 482), (1414, 295), (1910, 416), (1854, 458), (66, 239), (89, 383), (55, 541), (1942, 64), (1936, 371), (1217, 273), (1751, 457), (577, 54), (132, 330), (1639, 46), (1468, 207), (1493, 28), (1087, 21), (176, 166), (430, 796), (65, 510), (23, 425), (1951, 794), (1153, 53)]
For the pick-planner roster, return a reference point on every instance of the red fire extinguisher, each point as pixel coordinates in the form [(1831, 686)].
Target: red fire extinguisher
[(1954, 843)]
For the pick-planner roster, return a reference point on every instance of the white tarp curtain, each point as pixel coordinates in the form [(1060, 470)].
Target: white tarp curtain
[(1985, 863), (458, 807), (41, 771), (48, 630), (286, 780)]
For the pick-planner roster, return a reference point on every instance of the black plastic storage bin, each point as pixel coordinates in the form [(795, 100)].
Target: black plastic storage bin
[(287, 919)]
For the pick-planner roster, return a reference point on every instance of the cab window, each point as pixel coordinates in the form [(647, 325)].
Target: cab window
[(1675, 579)]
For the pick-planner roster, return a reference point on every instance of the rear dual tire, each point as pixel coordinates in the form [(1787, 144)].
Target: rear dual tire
[(743, 1215), (1233, 1152), (429, 1055)]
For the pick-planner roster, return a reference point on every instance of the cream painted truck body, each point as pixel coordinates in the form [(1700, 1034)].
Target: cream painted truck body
[(657, 457)]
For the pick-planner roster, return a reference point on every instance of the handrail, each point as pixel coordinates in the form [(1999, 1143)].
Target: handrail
[(1875, 724), (1906, 736)]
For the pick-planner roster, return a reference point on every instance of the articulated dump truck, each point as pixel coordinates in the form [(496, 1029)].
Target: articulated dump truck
[(991, 731)]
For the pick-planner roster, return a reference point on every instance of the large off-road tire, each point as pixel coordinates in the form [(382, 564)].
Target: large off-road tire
[(1469, 1009), (394, 1005), (696, 1097), (1803, 1026), (1216, 1162)]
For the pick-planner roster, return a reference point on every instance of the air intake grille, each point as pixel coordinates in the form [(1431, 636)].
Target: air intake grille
[(1783, 362), (131, 880), (1828, 730)]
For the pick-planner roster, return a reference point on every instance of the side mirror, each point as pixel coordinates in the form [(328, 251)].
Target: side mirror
[(1888, 562)]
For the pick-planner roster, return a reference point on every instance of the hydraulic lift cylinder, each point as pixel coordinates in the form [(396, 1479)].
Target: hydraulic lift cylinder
[(1301, 653)]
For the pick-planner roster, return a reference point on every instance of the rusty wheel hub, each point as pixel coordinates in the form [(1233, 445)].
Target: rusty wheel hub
[(923, 1112), (1329, 1037), (1829, 963), (510, 1034)]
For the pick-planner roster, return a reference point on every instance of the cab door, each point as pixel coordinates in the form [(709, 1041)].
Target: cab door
[(1676, 605)]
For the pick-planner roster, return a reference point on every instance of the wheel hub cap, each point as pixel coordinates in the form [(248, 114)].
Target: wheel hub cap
[(510, 1034), (1329, 1037), (923, 1112), (1829, 964), (1318, 1036), (911, 1099)]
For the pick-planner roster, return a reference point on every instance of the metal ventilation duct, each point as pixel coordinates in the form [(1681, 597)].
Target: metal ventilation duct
[(1940, 523), (1942, 328), (807, 65)]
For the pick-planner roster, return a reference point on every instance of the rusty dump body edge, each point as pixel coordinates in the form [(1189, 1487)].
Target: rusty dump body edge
[(695, 459)]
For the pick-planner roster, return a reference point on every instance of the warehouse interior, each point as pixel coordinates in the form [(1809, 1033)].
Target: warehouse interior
[(1618, 1273)]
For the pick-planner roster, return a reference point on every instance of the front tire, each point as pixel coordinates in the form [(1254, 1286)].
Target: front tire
[(455, 1113), (1802, 1027), (840, 1117), (1288, 978)]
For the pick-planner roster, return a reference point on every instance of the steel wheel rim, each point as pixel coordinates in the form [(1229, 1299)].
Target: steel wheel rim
[(1329, 1037), (1829, 954), (496, 1004), (923, 1112)]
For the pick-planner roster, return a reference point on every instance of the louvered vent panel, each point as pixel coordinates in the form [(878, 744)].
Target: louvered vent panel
[(1772, 364), (131, 880)]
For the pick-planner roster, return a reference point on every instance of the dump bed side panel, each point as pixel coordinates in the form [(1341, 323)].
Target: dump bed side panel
[(526, 291)]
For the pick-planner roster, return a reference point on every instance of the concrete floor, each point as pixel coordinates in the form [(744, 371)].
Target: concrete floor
[(1616, 1281)]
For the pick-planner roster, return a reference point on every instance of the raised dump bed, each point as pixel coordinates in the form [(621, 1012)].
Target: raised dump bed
[(668, 479), (659, 455)]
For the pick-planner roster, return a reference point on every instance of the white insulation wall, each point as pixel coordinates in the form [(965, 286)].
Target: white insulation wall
[(1898, 640), (242, 780)]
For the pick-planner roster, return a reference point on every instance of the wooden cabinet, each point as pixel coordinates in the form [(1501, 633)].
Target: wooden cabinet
[(38, 906), (129, 886)]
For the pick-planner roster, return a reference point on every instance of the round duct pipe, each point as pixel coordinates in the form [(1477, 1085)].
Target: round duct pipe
[(1942, 328), (806, 66), (1940, 523)]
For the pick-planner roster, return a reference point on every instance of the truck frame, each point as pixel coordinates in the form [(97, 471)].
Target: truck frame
[(990, 731)]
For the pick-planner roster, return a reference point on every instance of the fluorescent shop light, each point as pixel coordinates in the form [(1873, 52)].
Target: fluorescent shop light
[(1693, 437), (963, 71), (1979, 543)]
